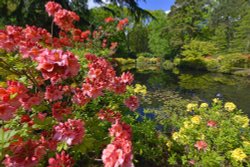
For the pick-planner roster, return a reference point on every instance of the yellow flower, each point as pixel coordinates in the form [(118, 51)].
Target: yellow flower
[(3, 84), (243, 120), (175, 136), (169, 144), (246, 144), (204, 105), (229, 106), (191, 107), (238, 154), (188, 124), (216, 100), (140, 89), (196, 119)]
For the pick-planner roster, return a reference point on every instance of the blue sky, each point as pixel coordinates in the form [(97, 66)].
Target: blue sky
[(157, 4), (149, 4)]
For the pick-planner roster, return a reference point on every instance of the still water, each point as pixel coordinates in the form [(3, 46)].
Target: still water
[(197, 85)]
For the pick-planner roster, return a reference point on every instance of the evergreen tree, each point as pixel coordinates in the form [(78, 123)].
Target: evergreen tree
[(242, 34)]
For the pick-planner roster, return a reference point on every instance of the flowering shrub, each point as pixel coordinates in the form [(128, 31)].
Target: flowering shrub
[(57, 106), (211, 136)]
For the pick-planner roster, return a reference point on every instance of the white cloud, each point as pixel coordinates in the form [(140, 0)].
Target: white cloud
[(92, 4), (167, 11)]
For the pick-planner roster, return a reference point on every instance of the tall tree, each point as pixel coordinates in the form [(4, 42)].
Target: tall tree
[(158, 35), (138, 38), (188, 19), (224, 19), (241, 43)]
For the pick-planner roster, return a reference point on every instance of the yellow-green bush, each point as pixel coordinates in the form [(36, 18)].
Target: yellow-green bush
[(211, 136)]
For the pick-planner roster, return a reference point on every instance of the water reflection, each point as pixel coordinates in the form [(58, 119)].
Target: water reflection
[(199, 85)]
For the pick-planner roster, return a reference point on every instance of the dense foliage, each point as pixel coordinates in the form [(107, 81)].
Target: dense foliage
[(56, 107), (211, 136)]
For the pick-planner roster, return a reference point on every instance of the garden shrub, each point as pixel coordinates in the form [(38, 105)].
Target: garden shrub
[(198, 49), (168, 65), (146, 54), (123, 61), (59, 109), (230, 62), (195, 52), (211, 136)]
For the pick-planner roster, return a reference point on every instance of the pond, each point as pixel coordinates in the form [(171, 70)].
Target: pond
[(201, 86)]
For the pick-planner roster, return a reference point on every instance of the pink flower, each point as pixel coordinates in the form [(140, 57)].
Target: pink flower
[(41, 116), (60, 110), (120, 130), (191, 162), (57, 65), (71, 132), (53, 93), (109, 115), (80, 98), (6, 111), (132, 103), (25, 154), (29, 101), (64, 19), (127, 78), (61, 160), (119, 152), (117, 85), (109, 19), (211, 123), (122, 24), (201, 145), (85, 34), (52, 7)]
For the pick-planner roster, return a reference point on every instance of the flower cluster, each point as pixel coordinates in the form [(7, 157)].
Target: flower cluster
[(201, 145), (122, 24), (57, 65), (31, 152), (132, 103), (119, 152), (16, 96), (205, 134), (238, 154), (62, 17), (46, 96), (109, 115), (62, 159), (101, 76), (70, 132), (229, 106)]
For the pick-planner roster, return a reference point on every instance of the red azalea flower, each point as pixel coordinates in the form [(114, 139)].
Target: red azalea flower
[(53, 93), (211, 123), (109, 115), (6, 111), (119, 152), (109, 19), (52, 7), (191, 162), (25, 154), (61, 160), (201, 145), (71, 132), (132, 103), (122, 24), (59, 110), (127, 77)]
